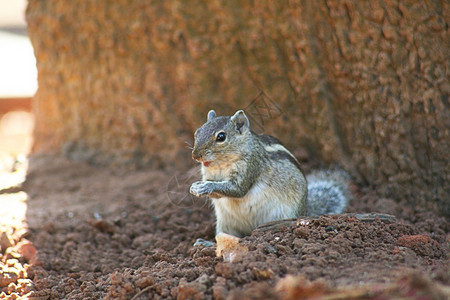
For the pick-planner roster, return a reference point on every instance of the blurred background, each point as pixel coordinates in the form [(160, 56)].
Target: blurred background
[(18, 84)]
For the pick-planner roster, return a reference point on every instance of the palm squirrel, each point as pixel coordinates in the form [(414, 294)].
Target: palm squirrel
[(253, 179)]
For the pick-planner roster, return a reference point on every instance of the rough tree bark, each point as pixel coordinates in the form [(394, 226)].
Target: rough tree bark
[(364, 83)]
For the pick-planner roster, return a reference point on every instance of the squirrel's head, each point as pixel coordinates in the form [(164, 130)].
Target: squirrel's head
[(220, 138)]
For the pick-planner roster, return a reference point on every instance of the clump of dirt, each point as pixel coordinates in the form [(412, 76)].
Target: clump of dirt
[(129, 234)]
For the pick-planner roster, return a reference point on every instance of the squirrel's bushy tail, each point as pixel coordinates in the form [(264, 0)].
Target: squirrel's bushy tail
[(328, 192)]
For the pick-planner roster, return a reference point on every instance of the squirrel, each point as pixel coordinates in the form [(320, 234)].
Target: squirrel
[(253, 179)]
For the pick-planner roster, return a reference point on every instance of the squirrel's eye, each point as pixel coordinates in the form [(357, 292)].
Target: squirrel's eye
[(221, 136)]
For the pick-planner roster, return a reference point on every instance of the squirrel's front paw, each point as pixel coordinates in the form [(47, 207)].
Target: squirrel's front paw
[(201, 188)]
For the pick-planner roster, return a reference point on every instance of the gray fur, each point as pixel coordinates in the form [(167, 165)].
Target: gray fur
[(240, 120), (253, 179), (211, 115), (328, 192)]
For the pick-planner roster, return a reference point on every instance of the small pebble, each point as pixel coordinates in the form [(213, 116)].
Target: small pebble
[(330, 228), (202, 242)]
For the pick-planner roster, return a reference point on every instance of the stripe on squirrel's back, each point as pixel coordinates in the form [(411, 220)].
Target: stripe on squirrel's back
[(268, 139), (279, 155), (272, 144), (276, 150)]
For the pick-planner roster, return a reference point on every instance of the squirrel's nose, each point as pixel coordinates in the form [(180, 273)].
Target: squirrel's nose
[(195, 155)]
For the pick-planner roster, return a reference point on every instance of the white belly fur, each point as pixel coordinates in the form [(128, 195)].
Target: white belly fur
[(239, 216)]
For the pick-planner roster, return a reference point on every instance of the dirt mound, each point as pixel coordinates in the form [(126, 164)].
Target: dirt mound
[(113, 234)]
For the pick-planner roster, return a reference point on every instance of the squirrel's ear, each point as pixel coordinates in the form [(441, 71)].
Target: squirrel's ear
[(211, 114), (241, 121)]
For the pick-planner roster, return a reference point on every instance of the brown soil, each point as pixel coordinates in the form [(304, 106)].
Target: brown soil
[(93, 233)]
